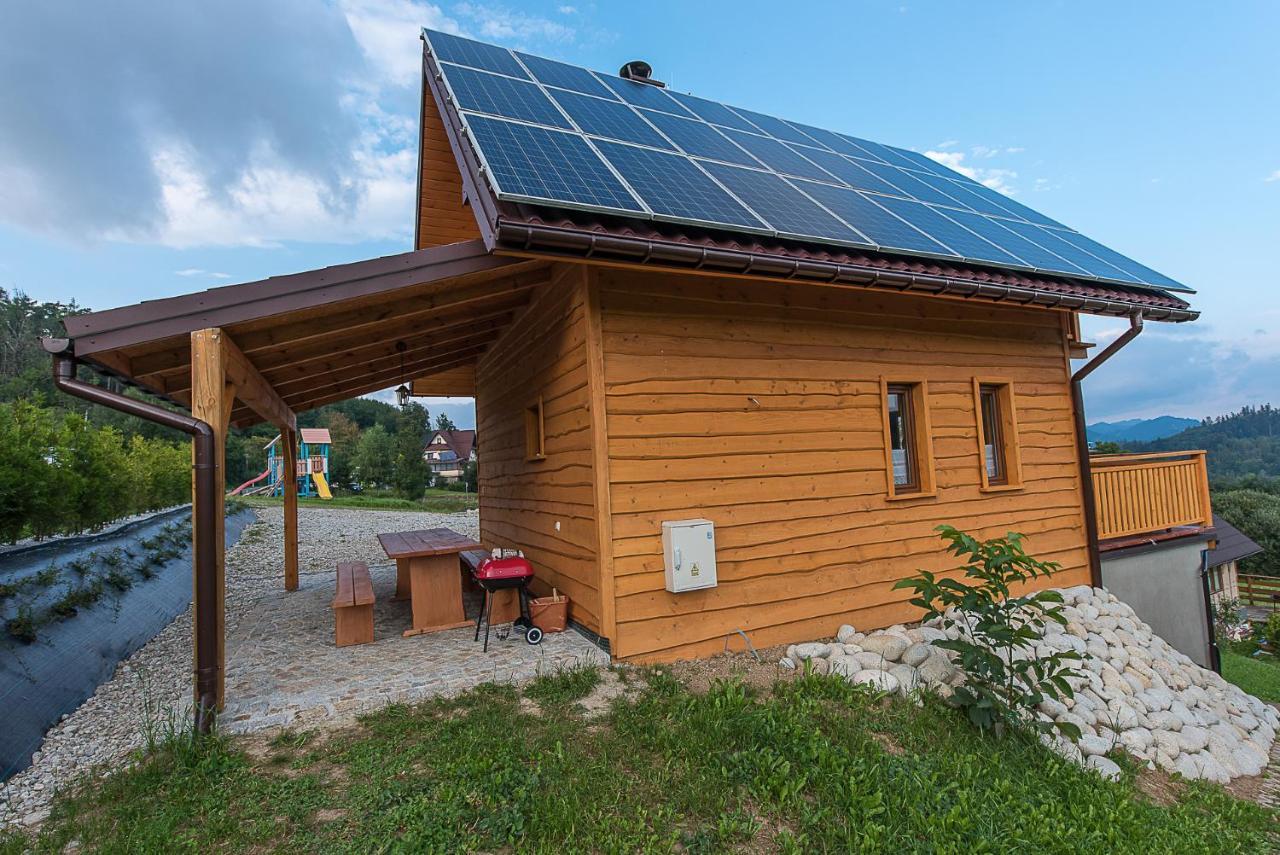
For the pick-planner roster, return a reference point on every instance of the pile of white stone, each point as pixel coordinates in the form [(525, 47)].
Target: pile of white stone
[(1137, 693)]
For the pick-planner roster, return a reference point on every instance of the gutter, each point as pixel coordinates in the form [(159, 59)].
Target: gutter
[(205, 556), (544, 240), (1082, 444), (1215, 655)]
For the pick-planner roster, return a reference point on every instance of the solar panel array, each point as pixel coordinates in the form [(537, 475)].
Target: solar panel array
[(555, 134)]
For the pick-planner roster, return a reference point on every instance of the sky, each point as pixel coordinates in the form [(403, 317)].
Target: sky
[(150, 149)]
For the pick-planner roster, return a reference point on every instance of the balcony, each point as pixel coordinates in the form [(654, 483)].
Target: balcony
[(1139, 494)]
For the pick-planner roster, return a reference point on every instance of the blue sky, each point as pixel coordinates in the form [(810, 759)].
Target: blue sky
[(155, 149)]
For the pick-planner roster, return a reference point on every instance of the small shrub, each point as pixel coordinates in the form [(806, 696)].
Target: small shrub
[(81, 566), (112, 558), (1229, 622), (22, 626), (118, 581), (1004, 678), (1271, 630), (45, 577)]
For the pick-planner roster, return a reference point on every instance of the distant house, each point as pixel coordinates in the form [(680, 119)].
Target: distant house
[(449, 451), (1224, 559)]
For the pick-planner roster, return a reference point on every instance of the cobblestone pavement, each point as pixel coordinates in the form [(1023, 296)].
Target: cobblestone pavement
[(282, 667)]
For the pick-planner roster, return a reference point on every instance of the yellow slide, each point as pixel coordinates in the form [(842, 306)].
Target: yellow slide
[(321, 486)]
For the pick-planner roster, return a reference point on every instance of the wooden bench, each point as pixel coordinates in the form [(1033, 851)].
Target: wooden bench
[(353, 605), (506, 604)]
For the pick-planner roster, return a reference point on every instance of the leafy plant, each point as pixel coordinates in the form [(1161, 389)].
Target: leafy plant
[(118, 580), (1229, 621), (22, 626), (998, 633), (1271, 630)]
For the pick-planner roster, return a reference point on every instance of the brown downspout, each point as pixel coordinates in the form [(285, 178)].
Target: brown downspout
[(1082, 444), (206, 491)]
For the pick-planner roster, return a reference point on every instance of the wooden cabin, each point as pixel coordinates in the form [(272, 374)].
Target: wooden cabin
[(825, 402)]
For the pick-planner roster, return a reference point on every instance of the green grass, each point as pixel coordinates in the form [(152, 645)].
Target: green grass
[(817, 765), (1259, 676), (435, 501)]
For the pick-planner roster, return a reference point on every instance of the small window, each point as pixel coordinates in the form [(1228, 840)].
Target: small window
[(534, 440), (908, 446), (997, 435)]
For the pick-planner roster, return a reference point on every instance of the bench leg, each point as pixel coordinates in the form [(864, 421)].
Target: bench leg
[(353, 625)]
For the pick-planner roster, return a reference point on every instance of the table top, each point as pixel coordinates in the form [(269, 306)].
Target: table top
[(432, 541)]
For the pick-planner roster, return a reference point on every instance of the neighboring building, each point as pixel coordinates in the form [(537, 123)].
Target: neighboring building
[(668, 310), (1224, 560), (449, 452)]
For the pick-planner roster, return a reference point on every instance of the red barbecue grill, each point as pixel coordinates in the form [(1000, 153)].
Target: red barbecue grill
[(500, 571)]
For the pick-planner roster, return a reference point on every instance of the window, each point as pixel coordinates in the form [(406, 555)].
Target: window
[(908, 443), (997, 435), (534, 441)]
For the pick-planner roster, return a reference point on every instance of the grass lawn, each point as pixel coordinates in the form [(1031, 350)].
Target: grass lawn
[(811, 765), (1258, 675), (435, 501)]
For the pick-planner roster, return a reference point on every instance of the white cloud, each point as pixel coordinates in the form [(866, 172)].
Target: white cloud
[(1275, 176), (508, 25), (199, 271), (567, 10), (387, 32)]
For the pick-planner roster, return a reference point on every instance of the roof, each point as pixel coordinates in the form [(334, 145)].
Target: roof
[(1233, 544), (323, 335), (311, 436), (567, 231), (460, 442)]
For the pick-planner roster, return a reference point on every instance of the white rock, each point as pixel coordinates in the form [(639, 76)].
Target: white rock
[(812, 650), (891, 647), (1094, 745), (916, 655), (882, 680), (845, 633), (787, 662), (1104, 766)]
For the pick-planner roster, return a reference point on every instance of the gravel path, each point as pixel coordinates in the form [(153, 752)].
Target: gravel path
[(282, 668)]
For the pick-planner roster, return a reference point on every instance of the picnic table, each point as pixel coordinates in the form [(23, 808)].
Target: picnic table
[(427, 574)]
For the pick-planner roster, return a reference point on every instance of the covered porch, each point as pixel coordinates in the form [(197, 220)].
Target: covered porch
[(265, 351)]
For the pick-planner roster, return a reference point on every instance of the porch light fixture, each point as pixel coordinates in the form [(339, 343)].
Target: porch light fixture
[(402, 394)]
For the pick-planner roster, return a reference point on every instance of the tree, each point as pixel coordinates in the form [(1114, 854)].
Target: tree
[(411, 470), (1107, 447), (1257, 514), (375, 458), (345, 435), (443, 422)]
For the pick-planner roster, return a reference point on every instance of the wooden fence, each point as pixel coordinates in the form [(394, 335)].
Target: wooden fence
[(1259, 592), (1147, 493)]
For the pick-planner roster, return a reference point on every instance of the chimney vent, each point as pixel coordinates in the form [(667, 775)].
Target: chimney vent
[(639, 71)]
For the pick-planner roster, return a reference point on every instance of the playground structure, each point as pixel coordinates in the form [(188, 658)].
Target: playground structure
[(312, 466)]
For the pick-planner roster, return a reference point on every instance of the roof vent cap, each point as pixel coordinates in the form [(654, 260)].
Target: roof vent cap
[(639, 71)]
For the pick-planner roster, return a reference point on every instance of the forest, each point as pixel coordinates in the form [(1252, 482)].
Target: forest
[(68, 466)]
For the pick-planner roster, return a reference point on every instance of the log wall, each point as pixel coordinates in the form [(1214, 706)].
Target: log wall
[(757, 405), (545, 507)]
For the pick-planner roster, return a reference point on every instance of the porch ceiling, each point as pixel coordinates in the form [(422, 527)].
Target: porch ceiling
[(323, 335)]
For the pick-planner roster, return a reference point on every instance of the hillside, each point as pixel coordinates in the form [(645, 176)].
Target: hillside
[(1244, 444), (1138, 430)]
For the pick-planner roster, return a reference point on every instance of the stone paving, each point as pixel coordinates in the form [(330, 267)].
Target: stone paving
[(283, 669)]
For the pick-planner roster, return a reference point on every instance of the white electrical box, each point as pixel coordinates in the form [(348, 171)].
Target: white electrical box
[(689, 551)]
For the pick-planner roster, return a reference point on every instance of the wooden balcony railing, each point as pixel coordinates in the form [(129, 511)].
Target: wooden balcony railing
[(1145, 493)]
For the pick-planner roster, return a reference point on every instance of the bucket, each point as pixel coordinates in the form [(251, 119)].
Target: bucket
[(550, 614)]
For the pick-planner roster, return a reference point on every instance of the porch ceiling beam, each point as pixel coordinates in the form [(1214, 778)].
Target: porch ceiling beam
[(382, 384), (258, 337), (344, 375), (253, 389)]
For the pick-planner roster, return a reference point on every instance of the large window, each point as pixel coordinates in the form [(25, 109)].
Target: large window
[(997, 422), (908, 442)]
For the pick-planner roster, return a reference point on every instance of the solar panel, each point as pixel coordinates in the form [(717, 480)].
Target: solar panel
[(674, 186), (481, 92), (716, 114), (954, 236), (699, 138), (683, 157), (565, 76), (774, 127), (850, 172), (882, 227), (540, 164), (785, 208), (474, 54), (611, 119), (778, 156), (644, 95)]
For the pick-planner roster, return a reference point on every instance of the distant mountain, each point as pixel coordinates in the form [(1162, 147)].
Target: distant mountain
[(1139, 430), (1240, 445)]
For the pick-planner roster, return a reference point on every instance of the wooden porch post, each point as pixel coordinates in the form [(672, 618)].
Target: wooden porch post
[(289, 473), (211, 400)]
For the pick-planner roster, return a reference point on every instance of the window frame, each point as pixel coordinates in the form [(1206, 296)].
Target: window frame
[(920, 437), (1006, 435), (535, 432)]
